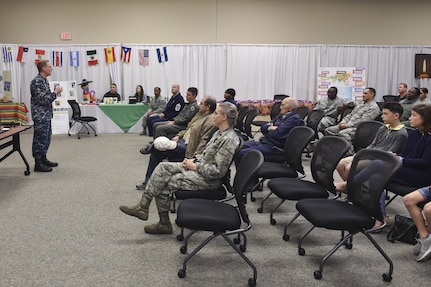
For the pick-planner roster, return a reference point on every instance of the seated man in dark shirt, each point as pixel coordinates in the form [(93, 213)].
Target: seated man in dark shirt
[(112, 93), (275, 132)]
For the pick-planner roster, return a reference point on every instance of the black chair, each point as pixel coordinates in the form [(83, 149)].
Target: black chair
[(280, 97), (296, 141), (302, 111), (219, 218), (328, 152), (371, 170), (312, 121), (247, 134), (390, 98), (77, 118), (217, 194), (365, 134), (242, 113), (275, 111), (345, 111)]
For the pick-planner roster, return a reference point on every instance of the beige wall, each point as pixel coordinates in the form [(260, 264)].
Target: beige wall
[(365, 22)]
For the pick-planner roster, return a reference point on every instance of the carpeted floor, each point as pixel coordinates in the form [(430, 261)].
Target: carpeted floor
[(65, 229)]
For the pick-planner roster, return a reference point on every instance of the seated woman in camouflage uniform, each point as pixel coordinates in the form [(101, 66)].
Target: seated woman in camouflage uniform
[(205, 171)]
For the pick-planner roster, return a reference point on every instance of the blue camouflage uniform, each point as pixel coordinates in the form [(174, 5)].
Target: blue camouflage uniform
[(41, 112)]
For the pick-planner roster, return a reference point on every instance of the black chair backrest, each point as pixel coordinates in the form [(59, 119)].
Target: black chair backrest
[(248, 120), (390, 98), (240, 119), (365, 134), (76, 110), (327, 153), (246, 170), (346, 110), (280, 97), (371, 170), (296, 141), (275, 110), (314, 118), (302, 111)]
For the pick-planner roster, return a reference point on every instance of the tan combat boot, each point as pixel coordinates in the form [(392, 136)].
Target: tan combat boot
[(140, 210), (164, 226)]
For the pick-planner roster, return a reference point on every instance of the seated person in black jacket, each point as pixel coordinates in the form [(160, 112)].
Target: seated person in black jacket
[(112, 93)]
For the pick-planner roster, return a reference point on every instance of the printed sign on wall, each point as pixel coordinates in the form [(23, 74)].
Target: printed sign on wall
[(350, 82)]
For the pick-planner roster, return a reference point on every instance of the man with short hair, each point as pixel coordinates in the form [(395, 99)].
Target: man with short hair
[(274, 133), (229, 96), (189, 142), (41, 112), (402, 91), (407, 104), (365, 111), (179, 122), (157, 106), (330, 105), (112, 93), (390, 137), (173, 108)]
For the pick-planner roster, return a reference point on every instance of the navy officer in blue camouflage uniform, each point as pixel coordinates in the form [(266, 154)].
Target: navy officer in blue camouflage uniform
[(41, 112)]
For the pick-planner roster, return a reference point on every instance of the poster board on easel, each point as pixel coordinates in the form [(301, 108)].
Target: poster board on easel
[(350, 82), (61, 107)]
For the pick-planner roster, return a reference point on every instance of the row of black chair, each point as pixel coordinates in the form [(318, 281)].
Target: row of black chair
[(371, 170)]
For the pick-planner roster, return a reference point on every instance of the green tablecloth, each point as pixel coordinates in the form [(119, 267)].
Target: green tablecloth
[(124, 115)]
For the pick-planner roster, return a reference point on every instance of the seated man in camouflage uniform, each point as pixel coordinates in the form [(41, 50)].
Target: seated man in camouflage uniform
[(330, 105), (190, 142), (365, 111), (205, 171)]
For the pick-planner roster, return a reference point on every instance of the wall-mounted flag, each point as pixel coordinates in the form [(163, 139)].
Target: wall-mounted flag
[(144, 59), (162, 54), (92, 57), (125, 54), (110, 55), (22, 54), (39, 55), (74, 58)]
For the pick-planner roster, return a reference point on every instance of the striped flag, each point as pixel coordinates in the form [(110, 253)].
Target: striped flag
[(39, 55), (7, 54), (74, 58), (144, 59), (162, 55), (125, 54), (57, 58), (92, 57), (110, 55), (22, 54)]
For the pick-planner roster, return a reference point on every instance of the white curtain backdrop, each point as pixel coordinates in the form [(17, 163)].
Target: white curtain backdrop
[(256, 72)]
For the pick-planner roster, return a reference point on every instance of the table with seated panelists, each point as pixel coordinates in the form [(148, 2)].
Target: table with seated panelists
[(114, 118)]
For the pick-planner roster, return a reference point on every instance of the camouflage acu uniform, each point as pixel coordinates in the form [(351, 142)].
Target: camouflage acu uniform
[(212, 165), (180, 121), (331, 111), (41, 112), (157, 106), (362, 112)]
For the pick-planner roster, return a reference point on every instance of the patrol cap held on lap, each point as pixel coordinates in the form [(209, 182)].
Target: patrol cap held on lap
[(164, 144)]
